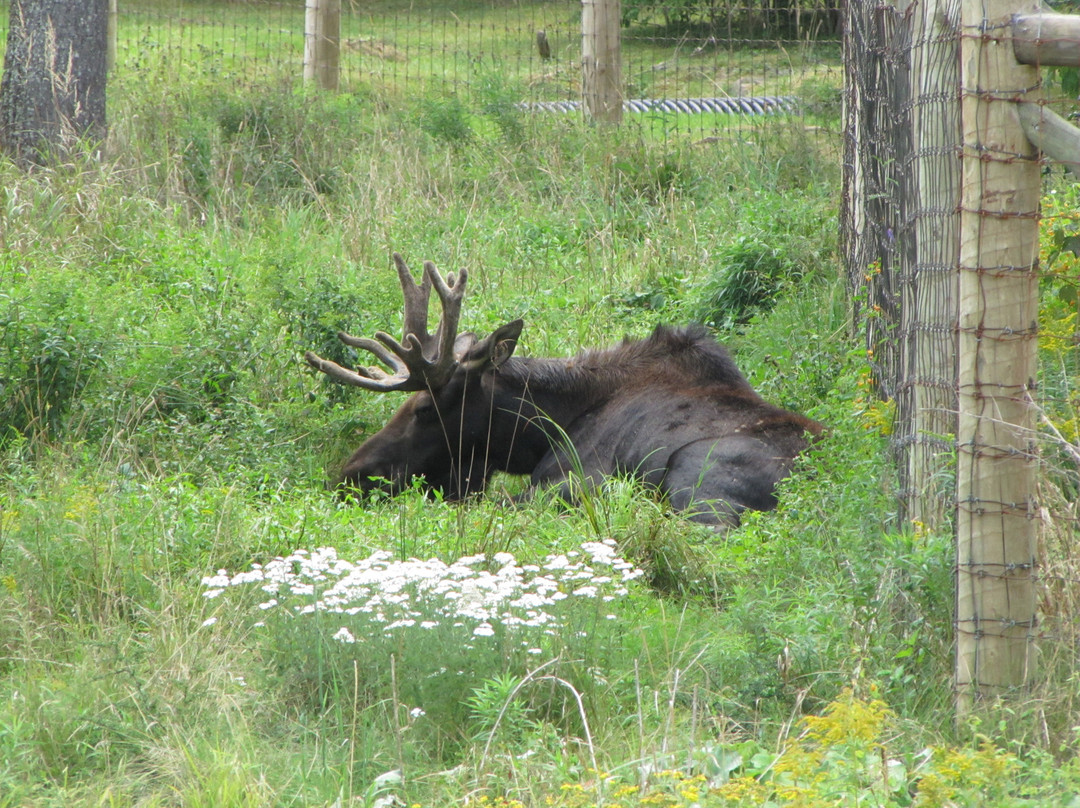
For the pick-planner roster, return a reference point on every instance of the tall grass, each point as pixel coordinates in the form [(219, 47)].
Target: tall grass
[(159, 424)]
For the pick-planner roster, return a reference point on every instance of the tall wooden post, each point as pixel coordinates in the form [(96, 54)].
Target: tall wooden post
[(322, 35), (601, 59), (997, 342), (926, 400)]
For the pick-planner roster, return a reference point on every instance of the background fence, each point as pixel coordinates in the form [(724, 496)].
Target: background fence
[(743, 60)]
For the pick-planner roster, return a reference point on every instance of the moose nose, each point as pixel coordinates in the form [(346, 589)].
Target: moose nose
[(367, 479)]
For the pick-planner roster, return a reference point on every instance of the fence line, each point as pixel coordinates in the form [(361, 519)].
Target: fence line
[(942, 229), (530, 52)]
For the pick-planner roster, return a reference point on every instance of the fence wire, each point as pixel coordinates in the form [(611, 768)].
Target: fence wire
[(902, 135), (902, 152), (699, 67), (914, 173)]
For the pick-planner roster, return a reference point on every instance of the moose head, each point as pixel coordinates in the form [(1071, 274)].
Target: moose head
[(447, 432)]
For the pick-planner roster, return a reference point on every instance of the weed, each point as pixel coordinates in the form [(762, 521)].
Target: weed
[(749, 278), (445, 117)]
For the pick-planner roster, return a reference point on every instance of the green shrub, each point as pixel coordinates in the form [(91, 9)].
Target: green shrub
[(445, 117), (499, 101), (49, 351), (749, 276)]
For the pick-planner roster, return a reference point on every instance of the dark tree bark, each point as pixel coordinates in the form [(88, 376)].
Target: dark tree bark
[(52, 94)]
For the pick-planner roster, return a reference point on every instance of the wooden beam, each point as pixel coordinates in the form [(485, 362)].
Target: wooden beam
[(1047, 39), (1051, 134)]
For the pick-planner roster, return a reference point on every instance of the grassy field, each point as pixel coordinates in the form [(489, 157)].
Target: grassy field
[(158, 426)]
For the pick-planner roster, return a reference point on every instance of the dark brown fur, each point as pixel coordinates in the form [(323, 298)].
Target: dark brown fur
[(672, 410)]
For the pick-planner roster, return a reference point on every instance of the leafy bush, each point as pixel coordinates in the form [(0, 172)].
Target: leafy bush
[(749, 276), (49, 350), (500, 101), (788, 19), (445, 117)]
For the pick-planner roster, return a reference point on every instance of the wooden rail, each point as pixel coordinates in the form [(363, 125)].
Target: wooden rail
[(1052, 40)]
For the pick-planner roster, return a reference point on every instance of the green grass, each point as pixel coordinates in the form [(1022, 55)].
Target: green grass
[(159, 424)]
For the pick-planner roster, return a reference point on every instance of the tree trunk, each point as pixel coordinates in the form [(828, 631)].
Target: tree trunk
[(53, 90)]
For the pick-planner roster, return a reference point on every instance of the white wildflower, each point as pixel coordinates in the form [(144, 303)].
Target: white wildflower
[(252, 576), (219, 581), (209, 622), (344, 635), (386, 594), (559, 562)]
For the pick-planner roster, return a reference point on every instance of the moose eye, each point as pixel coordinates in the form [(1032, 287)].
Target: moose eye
[(425, 410)]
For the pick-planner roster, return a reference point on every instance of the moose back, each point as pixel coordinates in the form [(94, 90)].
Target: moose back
[(672, 410)]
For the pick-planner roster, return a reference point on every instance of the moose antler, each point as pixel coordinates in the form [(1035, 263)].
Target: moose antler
[(420, 361)]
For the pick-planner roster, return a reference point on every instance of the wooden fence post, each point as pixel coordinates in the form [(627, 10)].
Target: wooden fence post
[(322, 34), (601, 59), (110, 45), (997, 343), (929, 297)]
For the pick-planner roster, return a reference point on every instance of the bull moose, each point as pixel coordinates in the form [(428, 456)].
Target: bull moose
[(672, 410)]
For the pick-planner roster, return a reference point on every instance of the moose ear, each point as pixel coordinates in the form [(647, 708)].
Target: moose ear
[(494, 349)]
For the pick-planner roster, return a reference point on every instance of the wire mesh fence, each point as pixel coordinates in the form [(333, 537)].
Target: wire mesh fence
[(699, 67), (903, 133), (903, 143), (943, 237)]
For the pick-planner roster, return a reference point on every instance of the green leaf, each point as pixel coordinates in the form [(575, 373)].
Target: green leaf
[(1070, 81)]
